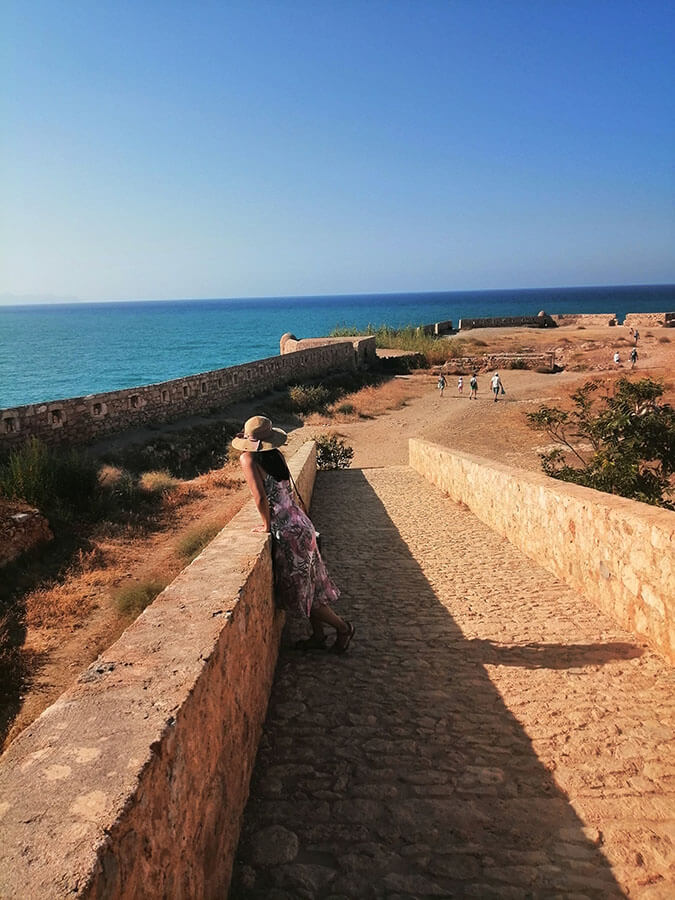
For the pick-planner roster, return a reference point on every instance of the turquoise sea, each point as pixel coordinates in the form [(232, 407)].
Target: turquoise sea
[(50, 352)]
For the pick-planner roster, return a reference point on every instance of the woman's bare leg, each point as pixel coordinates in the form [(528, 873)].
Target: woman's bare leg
[(324, 614)]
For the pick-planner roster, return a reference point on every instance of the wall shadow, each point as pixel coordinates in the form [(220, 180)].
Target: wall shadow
[(398, 767)]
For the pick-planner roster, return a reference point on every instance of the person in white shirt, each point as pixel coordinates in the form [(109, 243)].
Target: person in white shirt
[(497, 386)]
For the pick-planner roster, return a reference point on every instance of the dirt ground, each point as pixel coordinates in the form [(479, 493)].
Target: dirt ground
[(389, 415)]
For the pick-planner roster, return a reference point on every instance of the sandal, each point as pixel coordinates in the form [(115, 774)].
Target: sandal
[(343, 639), (311, 643)]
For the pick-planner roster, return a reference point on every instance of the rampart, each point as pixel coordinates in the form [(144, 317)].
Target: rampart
[(590, 320), (363, 347), (617, 552), (80, 420), (542, 320), (650, 320), (435, 328), (134, 782), (489, 361)]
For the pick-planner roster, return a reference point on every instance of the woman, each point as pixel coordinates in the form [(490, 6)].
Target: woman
[(301, 580)]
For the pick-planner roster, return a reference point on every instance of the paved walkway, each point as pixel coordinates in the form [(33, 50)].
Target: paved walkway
[(489, 733)]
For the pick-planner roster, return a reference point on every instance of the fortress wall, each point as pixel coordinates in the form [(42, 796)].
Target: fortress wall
[(617, 552), (650, 320), (364, 347), (134, 782), (541, 321), (504, 361), (589, 319), (80, 420), (436, 328)]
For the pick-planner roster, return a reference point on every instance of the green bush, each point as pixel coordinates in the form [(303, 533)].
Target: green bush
[(183, 454), (347, 409), (132, 599), (631, 435), (60, 483), (307, 398), (332, 452)]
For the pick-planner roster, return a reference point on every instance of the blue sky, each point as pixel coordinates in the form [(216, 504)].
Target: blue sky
[(217, 149)]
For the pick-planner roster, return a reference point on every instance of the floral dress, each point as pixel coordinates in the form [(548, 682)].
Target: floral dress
[(300, 575)]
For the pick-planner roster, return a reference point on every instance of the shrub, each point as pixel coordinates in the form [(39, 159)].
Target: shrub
[(132, 599), (307, 398), (632, 439), (158, 482), (517, 364), (332, 452), (194, 541), (664, 339), (183, 454), (59, 483), (347, 409)]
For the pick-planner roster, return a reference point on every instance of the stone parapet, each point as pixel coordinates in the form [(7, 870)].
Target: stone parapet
[(364, 347), (80, 420), (490, 361), (650, 320), (619, 553), (436, 328), (542, 320), (134, 782), (589, 320)]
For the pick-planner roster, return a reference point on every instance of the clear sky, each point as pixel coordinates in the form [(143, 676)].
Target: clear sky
[(216, 149)]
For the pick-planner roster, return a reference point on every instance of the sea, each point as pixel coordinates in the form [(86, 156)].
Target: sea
[(54, 351)]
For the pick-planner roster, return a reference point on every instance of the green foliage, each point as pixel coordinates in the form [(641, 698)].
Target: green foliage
[(308, 398), (632, 436), (132, 599), (347, 409), (332, 452), (192, 543), (59, 482), (183, 453)]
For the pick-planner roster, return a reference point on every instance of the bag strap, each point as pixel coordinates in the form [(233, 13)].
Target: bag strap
[(299, 495)]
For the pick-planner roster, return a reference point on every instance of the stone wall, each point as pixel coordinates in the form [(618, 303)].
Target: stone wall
[(539, 321), (492, 361), (364, 347), (436, 328), (617, 552), (650, 320), (21, 529), (80, 420), (134, 782), (590, 320)]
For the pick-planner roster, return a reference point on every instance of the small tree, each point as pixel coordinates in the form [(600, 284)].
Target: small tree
[(631, 436), (332, 452)]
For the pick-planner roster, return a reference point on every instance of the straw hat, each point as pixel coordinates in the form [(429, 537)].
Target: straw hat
[(258, 434)]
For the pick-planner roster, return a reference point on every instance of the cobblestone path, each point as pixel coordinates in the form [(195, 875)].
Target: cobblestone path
[(489, 733)]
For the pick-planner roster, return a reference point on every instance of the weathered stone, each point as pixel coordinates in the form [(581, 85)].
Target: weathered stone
[(273, 846)]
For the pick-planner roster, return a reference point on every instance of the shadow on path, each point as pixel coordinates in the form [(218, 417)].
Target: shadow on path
[(397, 770)]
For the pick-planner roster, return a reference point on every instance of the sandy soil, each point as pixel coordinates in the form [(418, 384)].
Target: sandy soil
[(498, 431)]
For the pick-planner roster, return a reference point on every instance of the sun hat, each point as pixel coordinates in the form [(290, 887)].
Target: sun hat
[(258, 434)]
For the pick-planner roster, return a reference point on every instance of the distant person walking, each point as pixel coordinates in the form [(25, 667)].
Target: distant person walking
[(497, 386), (441, 383), (617, 358), (636, 335), (473, 384), (633, 357), (460, 384)]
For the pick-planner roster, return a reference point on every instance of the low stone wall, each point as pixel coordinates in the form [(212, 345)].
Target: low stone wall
[(134, 782), (436, 328), (80, 420), (364, 347), (617, 552), (495, 361), (588, 319), (650, 320), (539, 321), (21, 529)]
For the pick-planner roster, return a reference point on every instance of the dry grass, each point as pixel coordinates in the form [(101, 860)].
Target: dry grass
[(132, 599), (193, 542), (160, 481), (369, 402)]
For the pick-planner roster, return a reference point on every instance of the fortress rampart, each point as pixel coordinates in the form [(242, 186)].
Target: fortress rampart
[(80, 420), (436, 328), (540, 321), (134, 782), (490, 361), (617, 552), (364, 347), (590, 320), (650, 320)]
